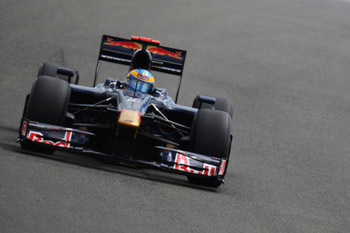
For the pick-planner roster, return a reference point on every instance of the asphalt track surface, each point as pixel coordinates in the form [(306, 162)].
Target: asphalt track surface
[(286, 66)]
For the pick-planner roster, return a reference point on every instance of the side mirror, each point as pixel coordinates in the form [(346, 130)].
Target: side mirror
[(205, 99), (66, 72)]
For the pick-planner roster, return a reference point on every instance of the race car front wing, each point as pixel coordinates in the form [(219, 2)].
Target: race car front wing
[(174, 160)]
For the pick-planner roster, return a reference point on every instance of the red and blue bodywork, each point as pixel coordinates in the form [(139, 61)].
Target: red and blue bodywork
[(112, 121)]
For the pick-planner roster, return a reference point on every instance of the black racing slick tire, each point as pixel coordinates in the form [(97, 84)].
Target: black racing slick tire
[(211, 135), (47, 103), (49, 69), (221, 104)]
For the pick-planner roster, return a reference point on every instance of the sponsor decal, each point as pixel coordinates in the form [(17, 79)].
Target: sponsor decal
[(182, 164), (142, 77), (222, 167), (210, 170), (124, 44), (38, 137), (24, 128), (170, 146), (130, 118), (162, 52)]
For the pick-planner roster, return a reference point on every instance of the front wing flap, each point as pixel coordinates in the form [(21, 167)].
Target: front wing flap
[(192, 163), (51, 135), (172, 160)]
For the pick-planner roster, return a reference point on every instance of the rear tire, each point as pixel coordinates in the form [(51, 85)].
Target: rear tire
[(47, 103), (221, 104), (210, 135)]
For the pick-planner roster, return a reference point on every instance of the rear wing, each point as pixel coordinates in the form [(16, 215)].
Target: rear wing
[(164, 59)]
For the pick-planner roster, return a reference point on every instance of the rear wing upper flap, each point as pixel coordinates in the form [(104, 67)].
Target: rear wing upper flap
[(164, 59)]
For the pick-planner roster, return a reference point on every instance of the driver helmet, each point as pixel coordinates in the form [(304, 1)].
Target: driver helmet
[(141, 80)]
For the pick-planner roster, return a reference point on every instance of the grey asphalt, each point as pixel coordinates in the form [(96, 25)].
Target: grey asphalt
[(286, 66)]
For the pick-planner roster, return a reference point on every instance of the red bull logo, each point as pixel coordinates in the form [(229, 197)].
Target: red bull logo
[(124, 44), (162, 52), (182, 163), (39, 137)]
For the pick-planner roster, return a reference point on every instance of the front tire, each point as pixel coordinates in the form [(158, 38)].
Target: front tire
[(47, 103), (210, 136)]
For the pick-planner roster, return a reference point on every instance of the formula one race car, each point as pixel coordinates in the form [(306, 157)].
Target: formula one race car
[(130, 120)]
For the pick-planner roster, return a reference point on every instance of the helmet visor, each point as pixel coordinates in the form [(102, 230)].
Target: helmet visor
[(139, 85)]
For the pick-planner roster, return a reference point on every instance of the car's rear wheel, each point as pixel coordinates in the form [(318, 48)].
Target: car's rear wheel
[(221, 104), (210, 135), (47, 103)]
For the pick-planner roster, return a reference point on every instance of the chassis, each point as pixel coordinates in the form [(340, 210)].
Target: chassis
[(114, 122)]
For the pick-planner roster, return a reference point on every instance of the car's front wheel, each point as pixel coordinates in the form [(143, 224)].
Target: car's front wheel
[(211, 135), (47, 103)]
